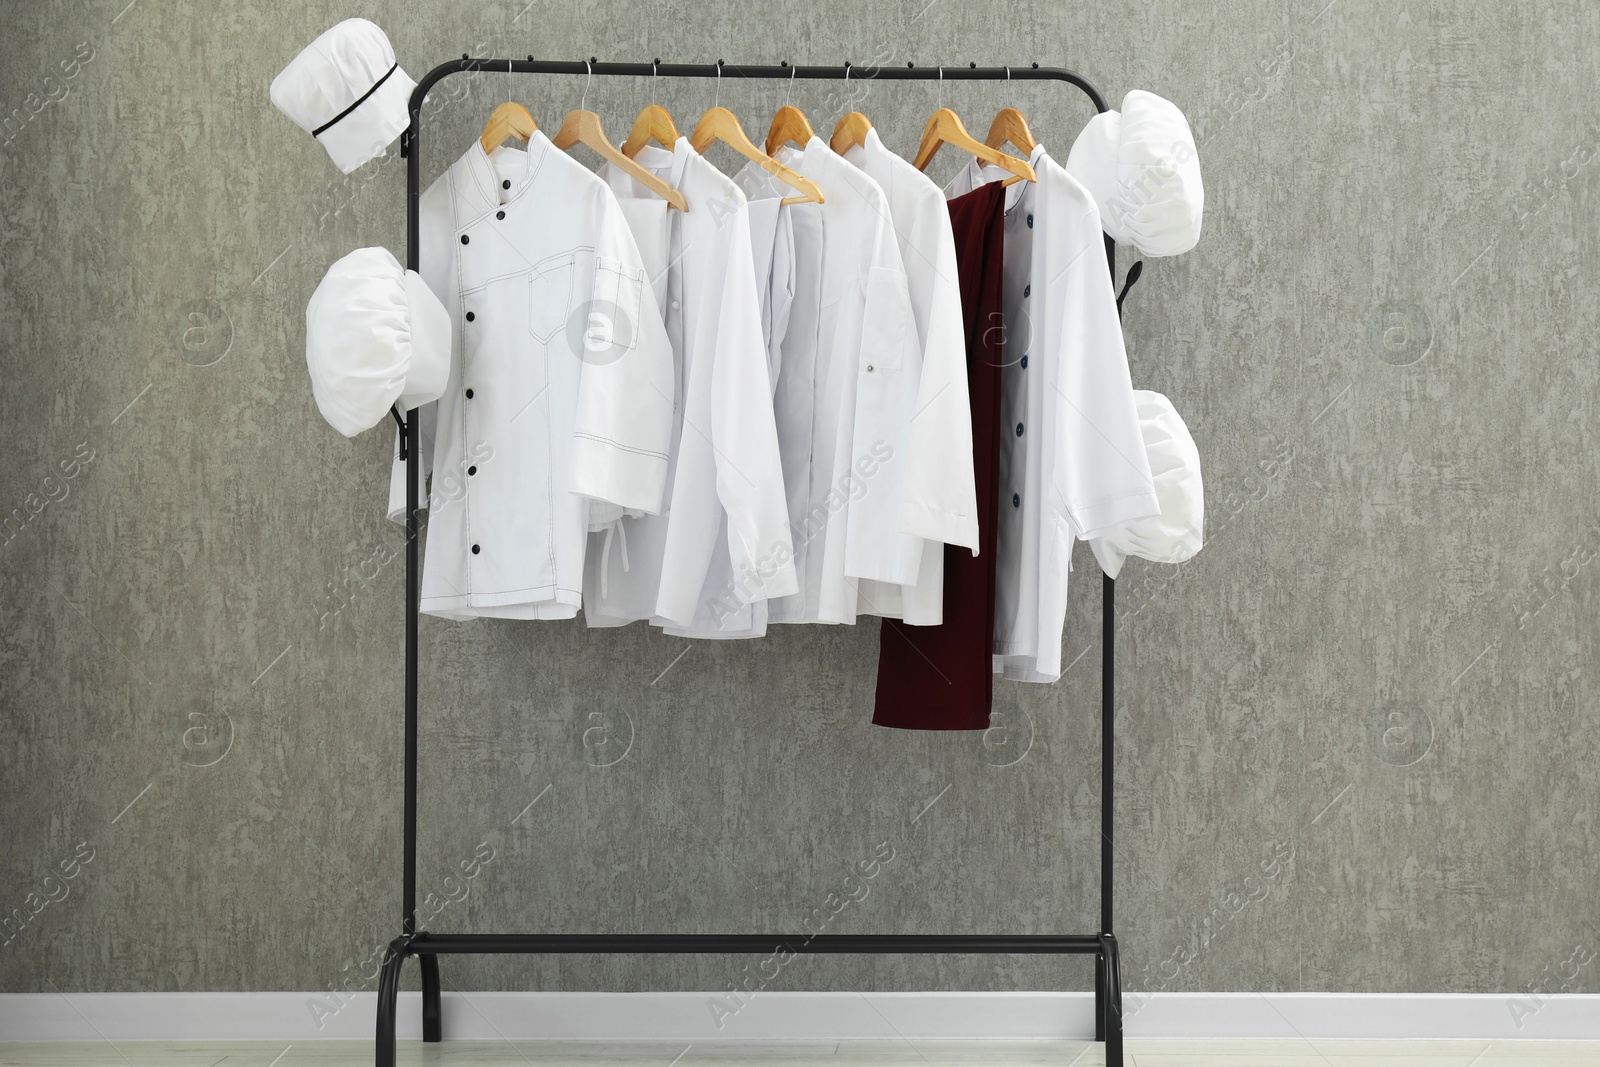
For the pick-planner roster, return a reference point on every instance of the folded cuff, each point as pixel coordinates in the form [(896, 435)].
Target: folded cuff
[(898, 564), (1103, 516), (936, 524), (605, 470)]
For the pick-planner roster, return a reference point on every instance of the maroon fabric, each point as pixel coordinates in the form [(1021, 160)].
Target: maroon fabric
[(942, 677)]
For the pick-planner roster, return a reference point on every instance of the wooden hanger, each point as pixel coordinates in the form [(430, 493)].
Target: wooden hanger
[(507, 120), (653, 124), (945, 128), (851, 131), (789, 125), (583, 127), (720, 124), (1010, 126)]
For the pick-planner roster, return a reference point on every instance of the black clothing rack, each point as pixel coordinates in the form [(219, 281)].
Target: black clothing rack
[(427, 946)]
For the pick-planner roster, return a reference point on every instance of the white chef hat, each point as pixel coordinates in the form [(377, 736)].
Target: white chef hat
[(1178, 532), (347, 91), (1143, 170), (375, 333)]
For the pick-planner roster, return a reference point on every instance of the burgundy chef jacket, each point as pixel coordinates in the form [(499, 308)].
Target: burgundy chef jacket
[(942, 677)]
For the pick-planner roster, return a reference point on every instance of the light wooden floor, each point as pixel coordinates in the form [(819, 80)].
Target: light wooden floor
[(830, 1054)]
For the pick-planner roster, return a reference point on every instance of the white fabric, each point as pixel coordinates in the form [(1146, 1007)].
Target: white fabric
[(375, 334), (332, 73), (724, 452), (571, 374), (941, 502), (1072, 461), (1178, 532), (1143, 169), (846, 391), (772, 255), (722, 614)]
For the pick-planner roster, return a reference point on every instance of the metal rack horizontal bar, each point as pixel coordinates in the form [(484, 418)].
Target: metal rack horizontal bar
[(834, 944), (428, 946)]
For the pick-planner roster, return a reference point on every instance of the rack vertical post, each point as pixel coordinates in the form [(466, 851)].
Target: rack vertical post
[(427, 946)]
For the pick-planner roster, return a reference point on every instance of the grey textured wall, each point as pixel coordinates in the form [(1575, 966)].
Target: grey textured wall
[(1356, 735)]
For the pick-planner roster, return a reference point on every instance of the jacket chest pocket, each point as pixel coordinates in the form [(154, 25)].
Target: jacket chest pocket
[(550, 286)]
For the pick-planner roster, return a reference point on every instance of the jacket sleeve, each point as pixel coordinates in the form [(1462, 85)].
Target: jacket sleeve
[(940, 498), (1100, 477), (888, 368), (744, 432), (623, 427)]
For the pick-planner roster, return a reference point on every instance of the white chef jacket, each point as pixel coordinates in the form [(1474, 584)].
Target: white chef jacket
[(1072, 459), (846, 390), (722, 613), (941, 502), (772, 255), (561, 380), (724, 456)]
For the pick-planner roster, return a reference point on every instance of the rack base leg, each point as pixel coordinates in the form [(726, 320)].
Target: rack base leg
[(1108, 1001), (388, 999), (1100, 996), (432, 1028)]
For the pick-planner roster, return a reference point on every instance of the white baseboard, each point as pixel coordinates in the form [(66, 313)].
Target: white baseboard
[(796, 1016), (1487, 1016)]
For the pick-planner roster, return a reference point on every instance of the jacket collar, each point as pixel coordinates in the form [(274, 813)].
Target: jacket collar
[(799, 158), (975, 174), (487, 176), (670, 167), (837, 176), (871, 145)]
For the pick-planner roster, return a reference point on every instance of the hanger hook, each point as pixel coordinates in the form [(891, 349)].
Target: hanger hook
[(583, 101), (789, 99), (655, 81), (941, 88), (716, 99)]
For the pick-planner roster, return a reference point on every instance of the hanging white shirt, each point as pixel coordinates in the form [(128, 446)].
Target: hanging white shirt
[(941, 502), (561, 381), (724, 457), (1072, 458), (772, 255), (846, 390), (722, 614)]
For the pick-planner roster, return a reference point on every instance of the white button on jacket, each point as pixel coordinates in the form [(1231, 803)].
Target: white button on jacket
[(725, 446), (1072, 460), (847, 390), (561, 381), (941, 502)]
